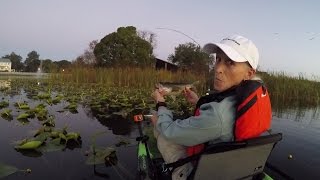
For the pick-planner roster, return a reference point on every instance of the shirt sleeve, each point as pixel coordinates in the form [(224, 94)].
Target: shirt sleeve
[(193, 130)]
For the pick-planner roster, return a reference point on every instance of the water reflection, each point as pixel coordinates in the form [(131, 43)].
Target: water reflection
[(301, 141), (30, 153), (110, 161), (304, 115), (300, 109), (300, 124), (100, 174), (117, 123), (73, 144)]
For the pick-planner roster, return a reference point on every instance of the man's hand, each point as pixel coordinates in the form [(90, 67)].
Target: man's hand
[(191, 96), (154, 118), (158, 95)]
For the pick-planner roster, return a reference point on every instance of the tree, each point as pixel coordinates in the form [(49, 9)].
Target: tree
[(32, 62), (189, 56), (16, 61), (63, 64), (79, 61), (48, 66), (124, 48), (149, 36), (88, 58)]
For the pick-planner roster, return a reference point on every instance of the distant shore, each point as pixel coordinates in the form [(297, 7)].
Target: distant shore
[(23, 74)]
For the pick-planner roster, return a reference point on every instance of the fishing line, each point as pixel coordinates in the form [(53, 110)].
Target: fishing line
[(117, 172), (180, 32), (121, 168)]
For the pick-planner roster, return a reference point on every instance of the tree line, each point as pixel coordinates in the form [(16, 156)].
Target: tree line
[(32, 63), (126, 47)]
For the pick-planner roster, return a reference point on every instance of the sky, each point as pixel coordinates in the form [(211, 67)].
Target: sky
[(286, 32)]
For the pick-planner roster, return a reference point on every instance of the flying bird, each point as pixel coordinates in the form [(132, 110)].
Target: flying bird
[(314, 36)]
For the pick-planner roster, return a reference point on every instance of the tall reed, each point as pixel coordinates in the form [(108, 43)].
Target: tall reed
[(291, 91), (127, 77), (286, 91)]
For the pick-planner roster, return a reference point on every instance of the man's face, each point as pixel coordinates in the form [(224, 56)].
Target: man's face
[(229, 73)]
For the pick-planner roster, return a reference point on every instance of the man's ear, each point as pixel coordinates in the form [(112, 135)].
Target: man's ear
[(250, 74)]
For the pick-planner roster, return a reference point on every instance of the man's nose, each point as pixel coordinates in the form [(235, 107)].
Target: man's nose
[(218, 68)]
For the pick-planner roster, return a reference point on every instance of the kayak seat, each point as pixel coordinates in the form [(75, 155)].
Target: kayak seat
[(235, 160)]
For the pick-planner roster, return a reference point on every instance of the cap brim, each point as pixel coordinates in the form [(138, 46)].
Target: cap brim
[(229, 51)]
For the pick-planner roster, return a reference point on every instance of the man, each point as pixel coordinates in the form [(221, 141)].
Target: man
[(236, 61)]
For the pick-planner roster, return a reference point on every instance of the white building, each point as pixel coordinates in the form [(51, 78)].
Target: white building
[(5, 65)]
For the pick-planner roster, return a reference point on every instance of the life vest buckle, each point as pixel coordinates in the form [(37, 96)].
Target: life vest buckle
[(165, 169)]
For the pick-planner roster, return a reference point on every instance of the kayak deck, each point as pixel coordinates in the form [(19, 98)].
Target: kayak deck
[(152, 142)]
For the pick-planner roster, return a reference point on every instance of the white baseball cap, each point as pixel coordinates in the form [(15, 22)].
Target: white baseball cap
[(237, 48)]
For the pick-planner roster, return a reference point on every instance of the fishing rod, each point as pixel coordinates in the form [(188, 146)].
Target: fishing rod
[(180, 33)]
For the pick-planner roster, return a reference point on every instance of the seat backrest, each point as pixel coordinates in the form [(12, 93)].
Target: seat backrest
[(236, 160)]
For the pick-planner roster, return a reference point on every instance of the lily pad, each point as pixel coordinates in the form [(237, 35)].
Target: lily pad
[(23, 116), (42, 130), (54, 134), (33, 144), (99, 156), (123, 113), (22, 105), (52, 146), (24, 121), (57, 100), (72, 135), (6, 114), (122, 142), (49, 122), (62, 136), (4, 104), (72, 107), (40, 106), (43, 136), (44, 95), (6, 170)]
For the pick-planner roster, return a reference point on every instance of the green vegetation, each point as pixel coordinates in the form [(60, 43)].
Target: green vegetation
[(113, 80), (190, 56), (15, 60), (32, 62), (285, 91), (6, 170), (124, 48), (48, 139), (99, 155), (144, 78), (288, 92), (6, 114), (4, 104), (115, 93)]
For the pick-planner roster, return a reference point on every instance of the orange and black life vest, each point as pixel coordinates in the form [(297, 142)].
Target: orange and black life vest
[(253, 111)]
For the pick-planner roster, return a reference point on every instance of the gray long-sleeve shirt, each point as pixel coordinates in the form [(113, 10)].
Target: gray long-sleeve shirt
[(215, 124)]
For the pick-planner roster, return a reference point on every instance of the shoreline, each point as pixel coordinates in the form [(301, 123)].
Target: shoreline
[(23, 74)]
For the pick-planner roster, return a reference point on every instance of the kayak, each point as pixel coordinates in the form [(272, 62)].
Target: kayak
[(150, 162)]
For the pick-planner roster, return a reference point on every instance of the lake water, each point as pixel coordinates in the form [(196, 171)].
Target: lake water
[(301, 139), (300, 128)]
